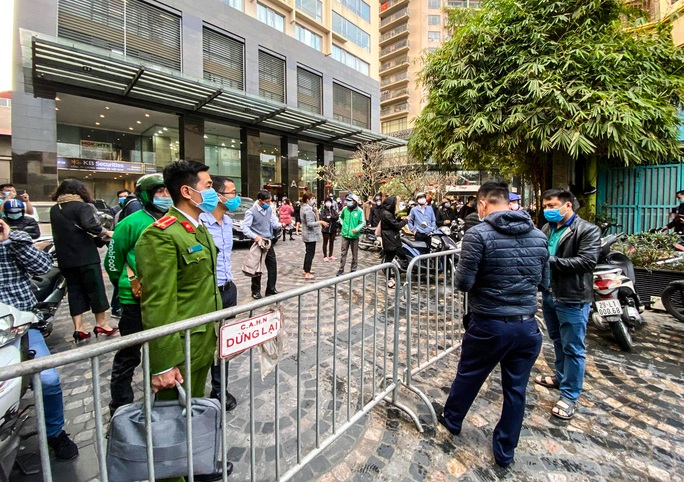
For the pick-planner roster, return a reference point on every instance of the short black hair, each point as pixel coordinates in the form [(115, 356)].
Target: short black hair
[(493, 192), (563, 195), (182, 173), (220, 181), (470, 198), (7, 184), (118, 193), (678, 192), (263, 195)]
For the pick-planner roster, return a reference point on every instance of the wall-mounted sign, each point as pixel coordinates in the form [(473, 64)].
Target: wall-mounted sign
[(100, 165), (96, 150)]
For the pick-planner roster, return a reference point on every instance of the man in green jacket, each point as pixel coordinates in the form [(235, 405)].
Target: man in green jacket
[(176, 260), (352, 223), (122, 270)]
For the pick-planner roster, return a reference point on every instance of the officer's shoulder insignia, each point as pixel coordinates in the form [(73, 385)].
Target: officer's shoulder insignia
[(188, 226), (165, 222)]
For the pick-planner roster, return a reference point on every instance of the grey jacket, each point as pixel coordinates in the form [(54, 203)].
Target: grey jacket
[(311, 227), (255, 262)]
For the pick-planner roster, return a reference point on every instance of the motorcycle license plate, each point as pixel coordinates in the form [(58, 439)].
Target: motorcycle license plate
[(608, 307)]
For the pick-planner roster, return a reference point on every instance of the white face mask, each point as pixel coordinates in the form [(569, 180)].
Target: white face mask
[(422, 201), (328, 204)]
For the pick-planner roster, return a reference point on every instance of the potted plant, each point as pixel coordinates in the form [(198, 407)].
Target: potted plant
[(656, 262)]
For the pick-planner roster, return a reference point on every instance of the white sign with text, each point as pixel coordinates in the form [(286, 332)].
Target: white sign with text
[(245, 334)]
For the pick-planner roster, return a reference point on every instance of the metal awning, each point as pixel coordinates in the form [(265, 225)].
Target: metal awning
[(62, 62)]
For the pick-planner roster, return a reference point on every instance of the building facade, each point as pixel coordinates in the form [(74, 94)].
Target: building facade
[(262, 91)]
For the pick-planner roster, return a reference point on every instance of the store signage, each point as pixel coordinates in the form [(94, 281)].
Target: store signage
[(96, 150), (248, 333), (100, 165)]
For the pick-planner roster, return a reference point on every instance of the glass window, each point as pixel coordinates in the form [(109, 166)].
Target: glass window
[(359, 7), (350, 60), (351, 107), (348, 30), (434, 36), (313, 8), (434, 19), (309, 89), (223, 60), (308, 37), (271, 167), (433, 4), (307, 168), (236, 4), (222, 151), (271, 77), (394, 125), (270, 17)]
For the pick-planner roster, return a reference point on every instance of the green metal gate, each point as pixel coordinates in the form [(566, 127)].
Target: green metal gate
[(639, 198)]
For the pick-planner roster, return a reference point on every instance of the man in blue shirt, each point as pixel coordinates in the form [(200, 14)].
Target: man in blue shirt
[(259, 223), (220, 226), (422, 219)]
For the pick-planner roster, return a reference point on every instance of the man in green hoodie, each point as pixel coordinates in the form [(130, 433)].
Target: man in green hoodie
[(352, 223), (122, 270)]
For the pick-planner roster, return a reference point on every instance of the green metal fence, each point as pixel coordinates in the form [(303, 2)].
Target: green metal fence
[(639, 198)]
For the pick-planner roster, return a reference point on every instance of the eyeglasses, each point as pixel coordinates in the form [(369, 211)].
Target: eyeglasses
[(226, 194)]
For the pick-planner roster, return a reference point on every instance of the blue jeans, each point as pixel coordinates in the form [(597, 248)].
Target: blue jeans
[(567, 325), (52, 390), (488, 342)]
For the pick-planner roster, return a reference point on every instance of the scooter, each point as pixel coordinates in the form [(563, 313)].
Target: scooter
[(617, 306), (49, 290), (440, 240), (13, 349), (368, 240)]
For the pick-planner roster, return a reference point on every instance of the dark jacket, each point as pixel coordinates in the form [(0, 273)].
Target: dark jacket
[(73, 228), (26, 224), (131, 205), (443, 213), (390, 226), (503, 265), (465, 210), (375, 214), (330, 215), (573, 265), (471, 220)]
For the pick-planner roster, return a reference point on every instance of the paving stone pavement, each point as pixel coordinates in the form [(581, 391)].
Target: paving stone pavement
[(628, 427)]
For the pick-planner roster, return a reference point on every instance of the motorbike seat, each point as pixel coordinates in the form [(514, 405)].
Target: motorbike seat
[(414, 244), (600, 268)]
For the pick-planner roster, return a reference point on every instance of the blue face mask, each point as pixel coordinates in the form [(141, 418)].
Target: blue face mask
[(14, 216), (553, 215), (122, 200), (312, 202), (162, 203), (266, 206), (210, 200), (233, 203), (350, 204)]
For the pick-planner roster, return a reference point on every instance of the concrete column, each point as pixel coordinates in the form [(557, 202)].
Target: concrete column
[(34, 120), (290, 162), (192, 47), (191, 130), (324, 157), (251, 162)]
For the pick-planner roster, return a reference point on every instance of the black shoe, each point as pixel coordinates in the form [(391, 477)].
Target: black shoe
[(63, 447), (340, 272), (274, 292), (231, 403), (256, 296), (439, 410), (217, 476), (117, 313)]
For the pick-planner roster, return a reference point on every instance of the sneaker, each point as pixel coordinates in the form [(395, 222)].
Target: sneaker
[(326, 259), (340, 272), (331, 258), (63, 447), (231, 403)]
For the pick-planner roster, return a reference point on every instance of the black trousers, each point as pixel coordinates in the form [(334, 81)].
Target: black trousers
[(309, 256), (126, 360), (328, 244), (389, 257), (228, 299), (423, 237), (514, 345), (272, 268)]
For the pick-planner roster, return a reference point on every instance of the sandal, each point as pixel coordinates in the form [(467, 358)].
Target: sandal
[(564, 409), (391, 284), (547, 381)]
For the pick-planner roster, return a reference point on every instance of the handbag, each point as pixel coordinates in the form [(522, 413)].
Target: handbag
[(127, 447)]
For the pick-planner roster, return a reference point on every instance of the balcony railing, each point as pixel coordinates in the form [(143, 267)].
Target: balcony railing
[(393, 79), (401, 13), (393, 94), (394, 109), (394, 47), (463, 3), (388, 6), (393, 33), (394, 63)]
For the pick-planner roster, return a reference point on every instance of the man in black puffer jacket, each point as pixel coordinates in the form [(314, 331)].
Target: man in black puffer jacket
[(502, 266)]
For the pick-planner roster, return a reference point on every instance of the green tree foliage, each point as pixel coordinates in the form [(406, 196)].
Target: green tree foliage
[(523, 79)]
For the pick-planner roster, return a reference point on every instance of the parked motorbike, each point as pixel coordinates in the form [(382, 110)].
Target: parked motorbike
[(440, 240), (49, 290), (617, 306), (13, 349), (368, 240)]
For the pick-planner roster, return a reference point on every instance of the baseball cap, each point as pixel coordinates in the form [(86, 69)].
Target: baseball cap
[(513, 197)]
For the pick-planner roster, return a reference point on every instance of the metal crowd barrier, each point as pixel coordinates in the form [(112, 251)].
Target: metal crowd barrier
[(343, 333), (434, 315)]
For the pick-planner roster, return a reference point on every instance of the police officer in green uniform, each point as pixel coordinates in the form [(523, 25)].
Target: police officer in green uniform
[(176, 259)]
